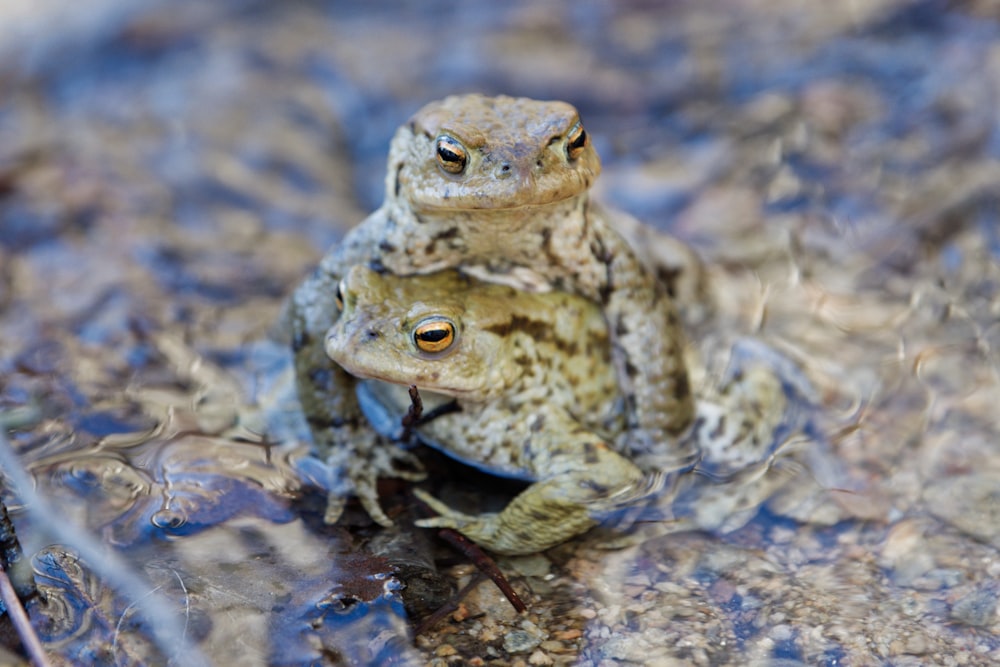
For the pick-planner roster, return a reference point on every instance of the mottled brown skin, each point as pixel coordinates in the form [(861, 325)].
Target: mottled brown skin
[(519, 212), (537, 398), (534, 385)]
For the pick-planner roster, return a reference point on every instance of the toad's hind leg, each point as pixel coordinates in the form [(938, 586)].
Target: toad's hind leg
[(577, 491)]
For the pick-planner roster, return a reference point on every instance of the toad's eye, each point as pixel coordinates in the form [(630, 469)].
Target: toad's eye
[(451, 155), (339, 297), (434, 335), (576, 141)]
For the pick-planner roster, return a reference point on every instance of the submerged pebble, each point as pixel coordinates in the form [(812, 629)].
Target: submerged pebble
[(970, 503)]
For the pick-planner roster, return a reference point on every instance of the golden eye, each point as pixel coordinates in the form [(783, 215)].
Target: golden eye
[(434, 335), (576, 141), (339, 297), (451, 155)]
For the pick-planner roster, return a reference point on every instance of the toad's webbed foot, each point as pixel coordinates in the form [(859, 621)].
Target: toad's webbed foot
[(357, 469), (518, 529)]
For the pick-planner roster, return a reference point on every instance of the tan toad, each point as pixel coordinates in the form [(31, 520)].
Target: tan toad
[(498, 188), (534, 396)]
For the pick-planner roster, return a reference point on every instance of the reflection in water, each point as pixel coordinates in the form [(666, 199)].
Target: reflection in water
[(165, 628), (175, 488), (211, 523), (221, 555)]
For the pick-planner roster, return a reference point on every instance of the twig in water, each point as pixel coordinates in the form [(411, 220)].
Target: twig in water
[(19, 617), (413, 413), (12, 558), (485, 564)]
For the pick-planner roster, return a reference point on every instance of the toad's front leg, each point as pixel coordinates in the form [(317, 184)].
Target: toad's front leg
[(341, 434), (646, 336), (648, 347)]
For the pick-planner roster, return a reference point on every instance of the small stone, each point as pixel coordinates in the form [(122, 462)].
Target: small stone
[(902, 539), (540, 658), (970, 503), (915, 645), (534, 565), (641, 580), (519, 641), (905, 552), (488, 633), (633, 592), (461, 613), (782, 633), (978, 608), (445, 650), (568, 635)]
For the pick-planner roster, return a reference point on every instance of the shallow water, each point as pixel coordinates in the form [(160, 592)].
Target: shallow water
[(168, 174)]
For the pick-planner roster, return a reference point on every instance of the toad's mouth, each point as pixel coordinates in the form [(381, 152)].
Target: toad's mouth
[(473, 204), (418, 380), (487, 194), (384, 405)]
